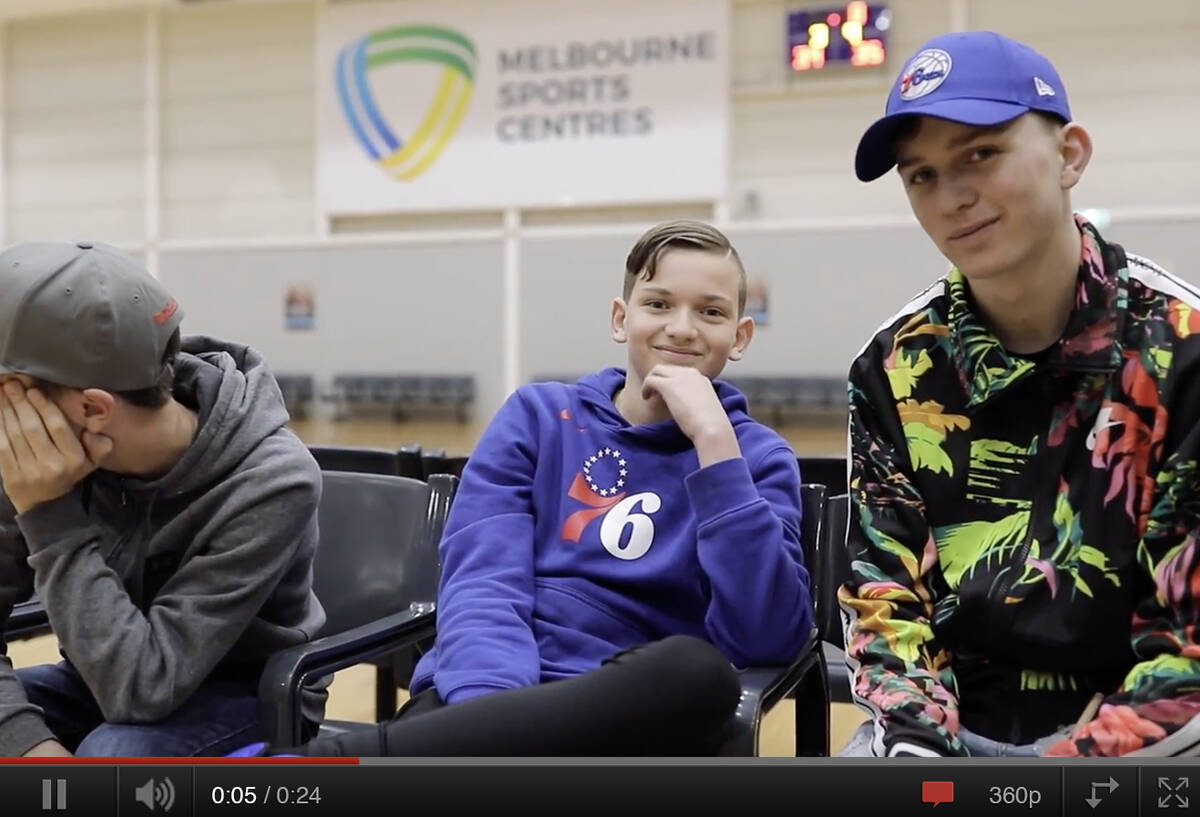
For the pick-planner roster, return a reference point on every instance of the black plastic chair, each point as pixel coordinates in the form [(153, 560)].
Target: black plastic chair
[(392, 672), (356, 458), (409, 457), (827, 471), (375, 572), (27, 619), (398, 673), (837, 572), (763, 687), (438, 462)]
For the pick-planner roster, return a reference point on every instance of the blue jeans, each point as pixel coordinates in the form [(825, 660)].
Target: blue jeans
[(218, 718)]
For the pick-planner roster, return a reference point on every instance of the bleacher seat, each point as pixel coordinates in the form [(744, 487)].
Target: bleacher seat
[(555, 378), (402, 395), (298, 393), (774, 398)]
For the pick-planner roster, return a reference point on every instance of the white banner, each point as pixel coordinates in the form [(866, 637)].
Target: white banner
[(477, 104)]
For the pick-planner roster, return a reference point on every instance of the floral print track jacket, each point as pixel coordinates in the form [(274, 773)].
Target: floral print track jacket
[(1023, 532)]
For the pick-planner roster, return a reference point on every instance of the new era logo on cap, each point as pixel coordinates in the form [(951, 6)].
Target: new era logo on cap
[(1043, 88)]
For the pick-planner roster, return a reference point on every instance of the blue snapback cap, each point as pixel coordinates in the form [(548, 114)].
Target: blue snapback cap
[(974, 77)]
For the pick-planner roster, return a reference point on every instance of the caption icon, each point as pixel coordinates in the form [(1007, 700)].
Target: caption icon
[(937, 791)]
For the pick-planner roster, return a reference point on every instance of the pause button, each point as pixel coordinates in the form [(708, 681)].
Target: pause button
[(54, 794)]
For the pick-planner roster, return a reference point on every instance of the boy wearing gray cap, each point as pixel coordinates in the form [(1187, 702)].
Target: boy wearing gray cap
[(158, 504), (1025, 445)]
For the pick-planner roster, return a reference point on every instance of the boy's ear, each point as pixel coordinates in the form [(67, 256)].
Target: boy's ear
[(745, 333), (95, 407), (617, 320), (1075, 146)]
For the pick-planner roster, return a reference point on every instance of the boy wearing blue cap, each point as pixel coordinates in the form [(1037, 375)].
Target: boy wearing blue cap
[(1025, 445)]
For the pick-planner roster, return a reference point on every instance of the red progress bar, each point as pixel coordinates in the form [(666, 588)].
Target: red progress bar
[(178, 761)]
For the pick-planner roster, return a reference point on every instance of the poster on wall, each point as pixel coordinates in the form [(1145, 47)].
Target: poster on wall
[(758, 304), (476, 104), (299, 308)]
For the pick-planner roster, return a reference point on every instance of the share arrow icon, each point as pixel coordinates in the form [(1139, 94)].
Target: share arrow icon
[(1094, 801)]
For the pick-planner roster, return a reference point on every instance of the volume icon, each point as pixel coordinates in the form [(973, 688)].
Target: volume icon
[(152, 794)]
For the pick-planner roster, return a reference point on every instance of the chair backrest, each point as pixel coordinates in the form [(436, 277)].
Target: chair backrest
[(409, 457), (836, 562), (438, 462), (358, 459), (378, 549), (812, 536), (828, 471)]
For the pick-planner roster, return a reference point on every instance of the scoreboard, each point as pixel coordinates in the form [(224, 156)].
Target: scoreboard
[(854, 35)]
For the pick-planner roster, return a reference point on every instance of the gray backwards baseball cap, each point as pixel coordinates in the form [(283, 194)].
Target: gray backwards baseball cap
[(84, 315)]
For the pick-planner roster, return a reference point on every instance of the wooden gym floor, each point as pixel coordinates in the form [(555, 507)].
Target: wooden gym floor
[(352, 695)]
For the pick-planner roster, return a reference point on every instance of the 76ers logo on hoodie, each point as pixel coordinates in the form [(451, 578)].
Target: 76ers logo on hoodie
[(600, 485)]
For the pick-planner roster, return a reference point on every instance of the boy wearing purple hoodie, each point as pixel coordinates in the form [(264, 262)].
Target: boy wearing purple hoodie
[(617, 545)]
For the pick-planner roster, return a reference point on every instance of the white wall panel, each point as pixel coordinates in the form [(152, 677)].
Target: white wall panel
[(237, 121), (231, 69), (69, 182), (42, 8), (196, 125), (48, 134), (232, 215), (239, 173), (114, 223), (75, 127), (1027, 19)]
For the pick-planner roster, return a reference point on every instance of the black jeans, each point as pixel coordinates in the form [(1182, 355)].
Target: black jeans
[(674, 697)]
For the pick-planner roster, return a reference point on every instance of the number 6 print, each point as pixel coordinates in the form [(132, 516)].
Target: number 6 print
[(642, 534)]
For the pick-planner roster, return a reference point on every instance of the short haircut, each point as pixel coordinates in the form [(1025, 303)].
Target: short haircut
[(151, 397), (685, 234), (159, 394), (908, 128)]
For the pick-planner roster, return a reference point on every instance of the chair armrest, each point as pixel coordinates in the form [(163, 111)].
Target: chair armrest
[(287, 671), (840, 680), (27, 619), (762, 688)]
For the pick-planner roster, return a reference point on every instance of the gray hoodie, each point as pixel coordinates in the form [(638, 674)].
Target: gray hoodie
[(152, 587)]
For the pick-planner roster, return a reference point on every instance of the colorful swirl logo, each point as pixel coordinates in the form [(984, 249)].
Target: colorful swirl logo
[(429, 44)]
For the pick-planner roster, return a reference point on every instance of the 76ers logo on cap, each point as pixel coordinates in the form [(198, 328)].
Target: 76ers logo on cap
[(925, 73)]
